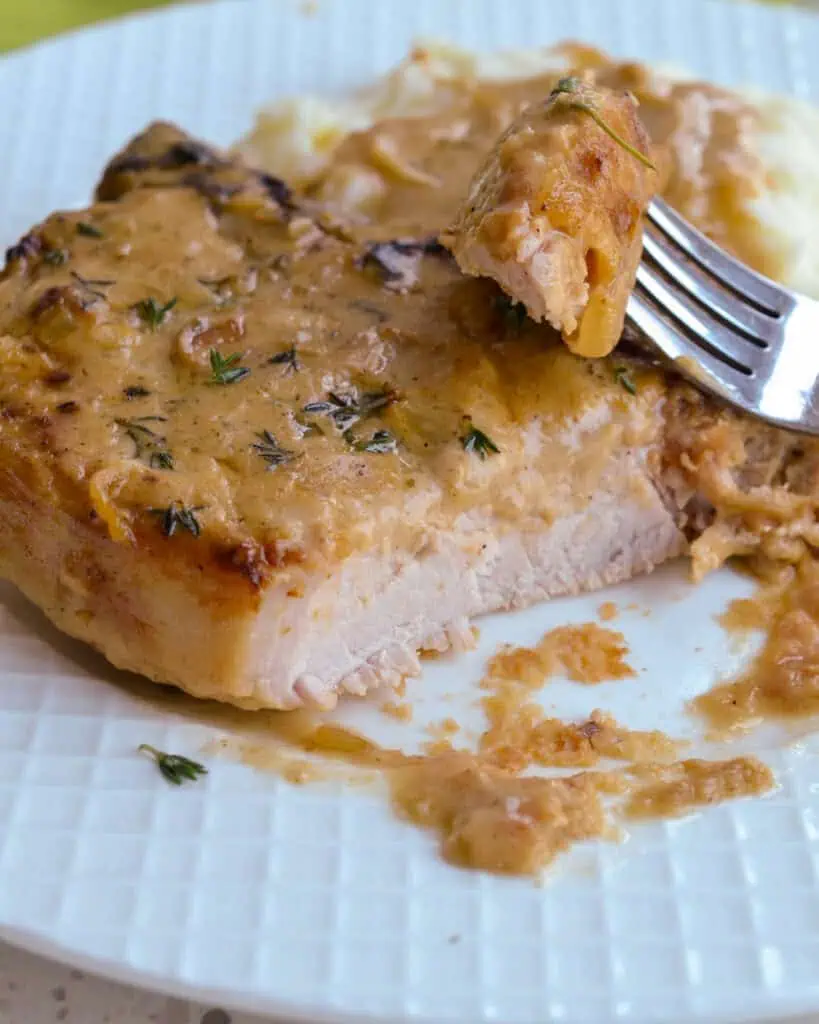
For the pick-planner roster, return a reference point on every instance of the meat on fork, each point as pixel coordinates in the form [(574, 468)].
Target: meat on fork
[(554, 214)]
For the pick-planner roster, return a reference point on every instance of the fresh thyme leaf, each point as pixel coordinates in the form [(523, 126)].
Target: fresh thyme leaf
[(151, 312), (624, 379), (178, 516), (271, 451), (286, 358), (476, 441), (382, 442), (89, 230), (570, 87), (161, 460), (55, 257), (136, 391), (513, 313), (148, 444), (347, 409), (92, 286), (175, 768), (224, 369), (90, 282)]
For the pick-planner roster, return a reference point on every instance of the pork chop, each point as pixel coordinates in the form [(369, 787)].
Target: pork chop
[(246, 455)]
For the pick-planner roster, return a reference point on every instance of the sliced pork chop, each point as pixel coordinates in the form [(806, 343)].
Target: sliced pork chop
[(246, 456), (554, 214)]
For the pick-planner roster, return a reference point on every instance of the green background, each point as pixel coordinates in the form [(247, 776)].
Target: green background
[(24, 21)]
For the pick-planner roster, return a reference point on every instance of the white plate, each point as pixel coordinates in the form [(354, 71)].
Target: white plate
[(313, 901)]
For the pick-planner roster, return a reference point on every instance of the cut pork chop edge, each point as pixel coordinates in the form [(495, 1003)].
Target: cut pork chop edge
[(351, 629)]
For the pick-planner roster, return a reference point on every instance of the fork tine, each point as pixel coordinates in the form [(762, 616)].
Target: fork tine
[(747, 283), (697, 364), (694, 320), (760, 328)]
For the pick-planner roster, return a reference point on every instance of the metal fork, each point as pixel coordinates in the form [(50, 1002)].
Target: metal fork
[(727, 329)]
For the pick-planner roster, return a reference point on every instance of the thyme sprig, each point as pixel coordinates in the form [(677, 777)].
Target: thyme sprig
[(570, 87), (175, 768), (287, 358), (624, 379), (225, 369), (178, 517), (382, 442), (55, 257), (478, 443), (345, 410), (91, 285), (147, 442), (89, 230), (268, 448), (153, 313)]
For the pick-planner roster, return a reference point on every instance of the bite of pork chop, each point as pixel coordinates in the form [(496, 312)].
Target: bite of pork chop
[(554, 214)]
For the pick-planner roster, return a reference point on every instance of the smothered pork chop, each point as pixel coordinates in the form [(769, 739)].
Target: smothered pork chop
[(269, 445)]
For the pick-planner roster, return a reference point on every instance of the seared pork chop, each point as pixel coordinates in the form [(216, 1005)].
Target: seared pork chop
[(245, 455), (554, 214)]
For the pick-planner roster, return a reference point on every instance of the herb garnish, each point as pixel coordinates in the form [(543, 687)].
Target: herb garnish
[(151, 312), (136, 391), (287, 358), (89, 230), (476, 441), (623, 378), (347, 409), (571, 88), (175, 768), (148, 442), (92, 286), (513, 313), (178, 516), (271, 451), (223, 369), (382, 442), (55, 257)]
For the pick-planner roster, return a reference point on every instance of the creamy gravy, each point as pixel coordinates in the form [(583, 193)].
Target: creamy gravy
[(677, 789), (783, 680)]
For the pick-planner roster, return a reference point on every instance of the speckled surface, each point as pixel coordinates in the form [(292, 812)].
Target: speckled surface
[(35, 991)]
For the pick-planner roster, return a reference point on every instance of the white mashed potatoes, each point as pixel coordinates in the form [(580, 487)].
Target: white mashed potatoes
[(296, 138)]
